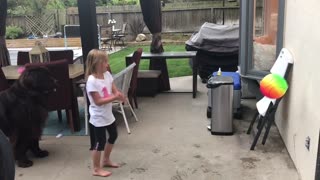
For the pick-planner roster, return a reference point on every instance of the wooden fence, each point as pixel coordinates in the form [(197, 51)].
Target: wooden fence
[(173, 19), (184, 19)]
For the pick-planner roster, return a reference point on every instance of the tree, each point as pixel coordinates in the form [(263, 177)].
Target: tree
[(70, 3), (4, 54), (55, 4), (102, 2), (37, 6), (15, 3), (17, 6)]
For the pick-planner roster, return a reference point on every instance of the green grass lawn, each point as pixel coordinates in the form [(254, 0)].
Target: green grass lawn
[(176, 68)]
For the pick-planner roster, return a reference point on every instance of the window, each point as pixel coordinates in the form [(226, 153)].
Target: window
[(261, 32)]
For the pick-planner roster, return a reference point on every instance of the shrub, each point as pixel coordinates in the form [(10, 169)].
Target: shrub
[(13, 32), (124, 2), (136, 25)]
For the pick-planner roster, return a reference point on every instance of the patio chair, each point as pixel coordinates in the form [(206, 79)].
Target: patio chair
[(3, 81), (82, 85), (62, 54), (61, 98), (119, 37), (132, 93), (122, 81), (266, 107), (23, 56), (107, 42), (58, 55)]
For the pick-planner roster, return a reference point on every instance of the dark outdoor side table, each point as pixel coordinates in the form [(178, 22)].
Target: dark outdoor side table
[(165, 85)]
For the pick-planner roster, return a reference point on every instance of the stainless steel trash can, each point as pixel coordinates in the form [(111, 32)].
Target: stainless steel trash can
[(221, 103)]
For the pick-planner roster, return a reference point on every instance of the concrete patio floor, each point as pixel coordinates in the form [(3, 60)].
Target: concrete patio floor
[(170, 142)]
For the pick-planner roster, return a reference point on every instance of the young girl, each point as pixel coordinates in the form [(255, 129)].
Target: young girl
[(101, 92)]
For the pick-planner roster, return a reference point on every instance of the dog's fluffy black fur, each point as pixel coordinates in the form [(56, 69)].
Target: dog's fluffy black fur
[(23, 112)]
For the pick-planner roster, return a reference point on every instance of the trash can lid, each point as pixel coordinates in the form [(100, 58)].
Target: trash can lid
[(216, 81), (235, 76)]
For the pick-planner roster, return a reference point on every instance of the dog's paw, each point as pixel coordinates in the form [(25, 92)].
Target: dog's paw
[(25, 163), (41, 154)]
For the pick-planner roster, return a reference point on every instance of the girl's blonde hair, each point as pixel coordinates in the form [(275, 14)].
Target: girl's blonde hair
[(94, 58)]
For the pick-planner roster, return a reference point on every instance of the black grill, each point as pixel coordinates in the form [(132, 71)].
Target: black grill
[(217, 47)]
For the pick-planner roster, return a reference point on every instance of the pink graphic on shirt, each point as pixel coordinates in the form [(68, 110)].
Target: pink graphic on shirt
[(20, 70), (105, 92)]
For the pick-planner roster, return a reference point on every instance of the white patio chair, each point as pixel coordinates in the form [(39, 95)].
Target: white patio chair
[(266, 107), (82, 85), (279, 67), (122, 82)]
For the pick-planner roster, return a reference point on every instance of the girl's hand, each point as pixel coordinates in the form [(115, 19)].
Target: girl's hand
[(123, 98), (117, 95), (120, 96)]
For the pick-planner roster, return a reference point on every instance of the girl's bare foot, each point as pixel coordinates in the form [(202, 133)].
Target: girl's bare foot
[(101, 172), (110, 164)]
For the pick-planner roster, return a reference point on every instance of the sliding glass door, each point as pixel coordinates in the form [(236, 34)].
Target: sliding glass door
[(261, 32)]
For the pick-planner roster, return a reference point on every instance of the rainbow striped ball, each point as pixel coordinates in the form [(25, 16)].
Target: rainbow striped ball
[(273, 86)]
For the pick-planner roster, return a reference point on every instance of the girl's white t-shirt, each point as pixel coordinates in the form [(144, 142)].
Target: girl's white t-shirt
[(100, 115)]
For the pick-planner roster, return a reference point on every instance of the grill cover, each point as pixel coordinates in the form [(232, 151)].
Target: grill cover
[(216, 38)]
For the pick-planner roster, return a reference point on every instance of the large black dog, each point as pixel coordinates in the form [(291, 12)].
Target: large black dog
[(23, 112)]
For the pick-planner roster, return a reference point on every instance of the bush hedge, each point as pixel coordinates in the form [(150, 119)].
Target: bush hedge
[(13, 32)]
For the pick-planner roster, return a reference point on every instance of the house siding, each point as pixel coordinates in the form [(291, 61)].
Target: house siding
[(298, 116)]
